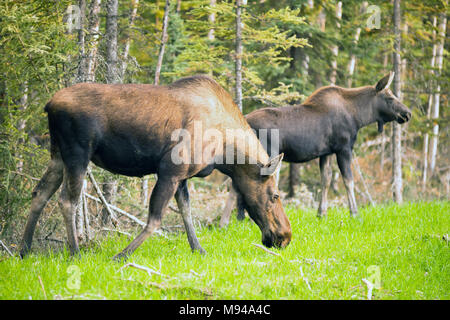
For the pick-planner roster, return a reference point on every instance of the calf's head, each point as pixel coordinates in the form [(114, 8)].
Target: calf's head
[(387, 106), (260, 196)]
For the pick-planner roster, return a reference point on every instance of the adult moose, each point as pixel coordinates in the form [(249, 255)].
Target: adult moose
[(128, 129), (327, 123)]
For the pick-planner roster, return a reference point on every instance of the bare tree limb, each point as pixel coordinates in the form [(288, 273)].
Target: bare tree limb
[(42, 287), (266, 250), (128, 215), (143, 268), (102, 198), (6, 248)]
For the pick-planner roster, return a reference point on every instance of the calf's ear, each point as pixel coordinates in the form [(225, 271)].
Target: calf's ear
[(272, 166), (385, 82)]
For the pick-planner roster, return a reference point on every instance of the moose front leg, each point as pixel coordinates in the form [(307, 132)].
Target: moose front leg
[(325, 174), (344, 160), (163, 191), (182, 198)]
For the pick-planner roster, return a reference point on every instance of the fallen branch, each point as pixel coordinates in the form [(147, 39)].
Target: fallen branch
[(118, 210), (6, 248), (358, 168), (266, 250), (143, 268), (305, 279), (370, 286), (42, 287), (118, 231), (173, 209), (50, 239), (148, 283), (102, 198)]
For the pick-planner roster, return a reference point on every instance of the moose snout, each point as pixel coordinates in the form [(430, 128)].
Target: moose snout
[(277, 240), (404, 116)]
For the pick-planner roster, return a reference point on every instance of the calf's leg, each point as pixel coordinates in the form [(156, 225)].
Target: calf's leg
[(46, 187), (240, 207), (231, 200), (344, 159), (69, 200), (182, 198), (163, 191), (325, 175)]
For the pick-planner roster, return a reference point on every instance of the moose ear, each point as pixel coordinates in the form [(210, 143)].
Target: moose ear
[(272, 166), (385, 82)]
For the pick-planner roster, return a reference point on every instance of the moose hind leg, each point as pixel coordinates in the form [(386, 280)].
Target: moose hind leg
[(182, 198), (344, 159), (68, 201), (43, 191), (325, 174)]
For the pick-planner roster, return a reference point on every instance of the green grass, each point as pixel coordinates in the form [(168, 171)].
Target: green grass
[(405, 243)]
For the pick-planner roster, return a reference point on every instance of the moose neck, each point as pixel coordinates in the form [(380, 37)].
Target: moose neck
[(361, 104)]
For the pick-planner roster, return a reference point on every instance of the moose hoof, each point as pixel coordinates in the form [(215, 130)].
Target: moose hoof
[(120, 257), (199, 250), (240, 216), (23, 253), (322, 214)]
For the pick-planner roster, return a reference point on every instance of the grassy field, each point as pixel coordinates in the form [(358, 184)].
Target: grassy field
[(401, 248)]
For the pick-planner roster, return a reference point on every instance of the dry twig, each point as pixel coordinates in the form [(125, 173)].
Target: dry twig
[(6, 248), (143, 268), (42, 287), (102, 198), (266, 250)]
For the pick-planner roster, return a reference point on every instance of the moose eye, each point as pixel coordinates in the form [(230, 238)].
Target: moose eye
[(275, 196)]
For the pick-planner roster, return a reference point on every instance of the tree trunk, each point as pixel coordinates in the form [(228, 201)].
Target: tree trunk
[(94, 26), (82, 71), (238, 53), (430, 106), (22, 122), (163, 42), (112, 74), (126, 50), (383, 134), (335, 48), (436, 97), (352, 62), (164, 35), (211, 19), (397, 129)]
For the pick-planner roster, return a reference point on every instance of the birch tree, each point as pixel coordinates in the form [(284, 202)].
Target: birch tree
[(397, 180), (112, 73), (437, 94), (164, 36), (93, 35), (426, 138), (352, 62), (112, 76), (239, 52), (126, 50), (335, 48)]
